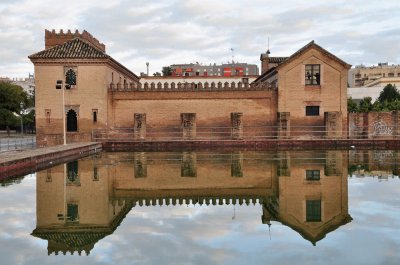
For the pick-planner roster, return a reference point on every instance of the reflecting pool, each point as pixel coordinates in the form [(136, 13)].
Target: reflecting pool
[(286, 207)]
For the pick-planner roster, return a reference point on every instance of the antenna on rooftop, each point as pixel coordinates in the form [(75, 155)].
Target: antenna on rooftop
[(233, 55), (268, 52)]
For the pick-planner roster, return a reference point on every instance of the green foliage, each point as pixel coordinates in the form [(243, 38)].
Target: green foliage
[(351, 105), (389, 93), (166, 71), (365, 105), (7, 118), (29, 119), (11, 97), (157, 74)]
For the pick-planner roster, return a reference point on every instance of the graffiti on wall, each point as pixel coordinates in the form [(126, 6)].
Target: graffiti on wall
[(381, 128)]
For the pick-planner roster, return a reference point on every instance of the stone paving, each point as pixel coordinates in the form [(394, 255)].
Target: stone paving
[(11, 156)]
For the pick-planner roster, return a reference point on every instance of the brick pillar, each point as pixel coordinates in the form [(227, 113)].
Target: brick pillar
[(188, 124), (283, 164), (358, 125), (237, 126), (396, 124), (333, 124), (283, 125), (237, 165), (139, 130), (189, 165), (333, 163), (140, 164), (396, 163)]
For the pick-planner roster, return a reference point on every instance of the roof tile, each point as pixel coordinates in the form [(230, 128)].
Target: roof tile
[(74, 49)]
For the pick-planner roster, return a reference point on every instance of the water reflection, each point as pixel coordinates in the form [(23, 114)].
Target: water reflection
[(382, 164), (81, 202)]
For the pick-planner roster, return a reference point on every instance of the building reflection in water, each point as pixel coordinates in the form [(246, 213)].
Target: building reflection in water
[(81, 202), (375, 163)]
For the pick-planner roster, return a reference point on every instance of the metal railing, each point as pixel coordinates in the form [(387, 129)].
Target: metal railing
[(215, 133), (17, 143), (244, 133)]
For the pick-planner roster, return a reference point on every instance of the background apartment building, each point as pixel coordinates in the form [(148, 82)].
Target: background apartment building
[(228, 69), (376, 75)]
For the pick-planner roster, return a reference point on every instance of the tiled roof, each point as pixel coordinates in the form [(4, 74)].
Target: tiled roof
[(74, 49), (277, 59)]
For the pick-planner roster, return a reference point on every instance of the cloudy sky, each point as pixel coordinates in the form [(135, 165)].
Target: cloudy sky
[(164, 32)]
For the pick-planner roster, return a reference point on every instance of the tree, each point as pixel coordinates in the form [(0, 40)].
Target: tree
[(365, 105), (11, 97), (166, 71), (351, 105), (389, 93), (29, 121), (157, 74)]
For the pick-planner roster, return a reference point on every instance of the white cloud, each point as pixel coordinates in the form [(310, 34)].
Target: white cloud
[(167, 32)]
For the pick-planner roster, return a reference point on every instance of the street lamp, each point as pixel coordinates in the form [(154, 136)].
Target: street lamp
[(22, 123), (59, 85)]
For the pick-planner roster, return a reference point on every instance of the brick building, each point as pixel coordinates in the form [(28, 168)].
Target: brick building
[(300, 96)]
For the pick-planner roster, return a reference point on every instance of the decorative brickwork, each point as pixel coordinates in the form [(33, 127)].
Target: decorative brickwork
[(52, 38)]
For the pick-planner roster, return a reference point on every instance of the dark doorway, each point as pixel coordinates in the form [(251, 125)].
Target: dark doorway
[(72, 121)]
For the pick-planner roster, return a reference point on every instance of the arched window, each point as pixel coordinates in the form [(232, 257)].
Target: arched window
[(70, 77), (72, 121)]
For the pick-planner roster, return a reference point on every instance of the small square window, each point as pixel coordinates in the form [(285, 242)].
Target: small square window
[(312, 175), (312, 74), (312, 110)]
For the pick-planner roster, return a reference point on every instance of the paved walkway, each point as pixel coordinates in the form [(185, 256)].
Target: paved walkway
[(11, 156)]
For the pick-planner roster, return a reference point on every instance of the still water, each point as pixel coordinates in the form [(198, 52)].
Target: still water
[(314, 207)]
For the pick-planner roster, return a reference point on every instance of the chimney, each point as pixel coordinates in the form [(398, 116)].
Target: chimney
[(264, 58)]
